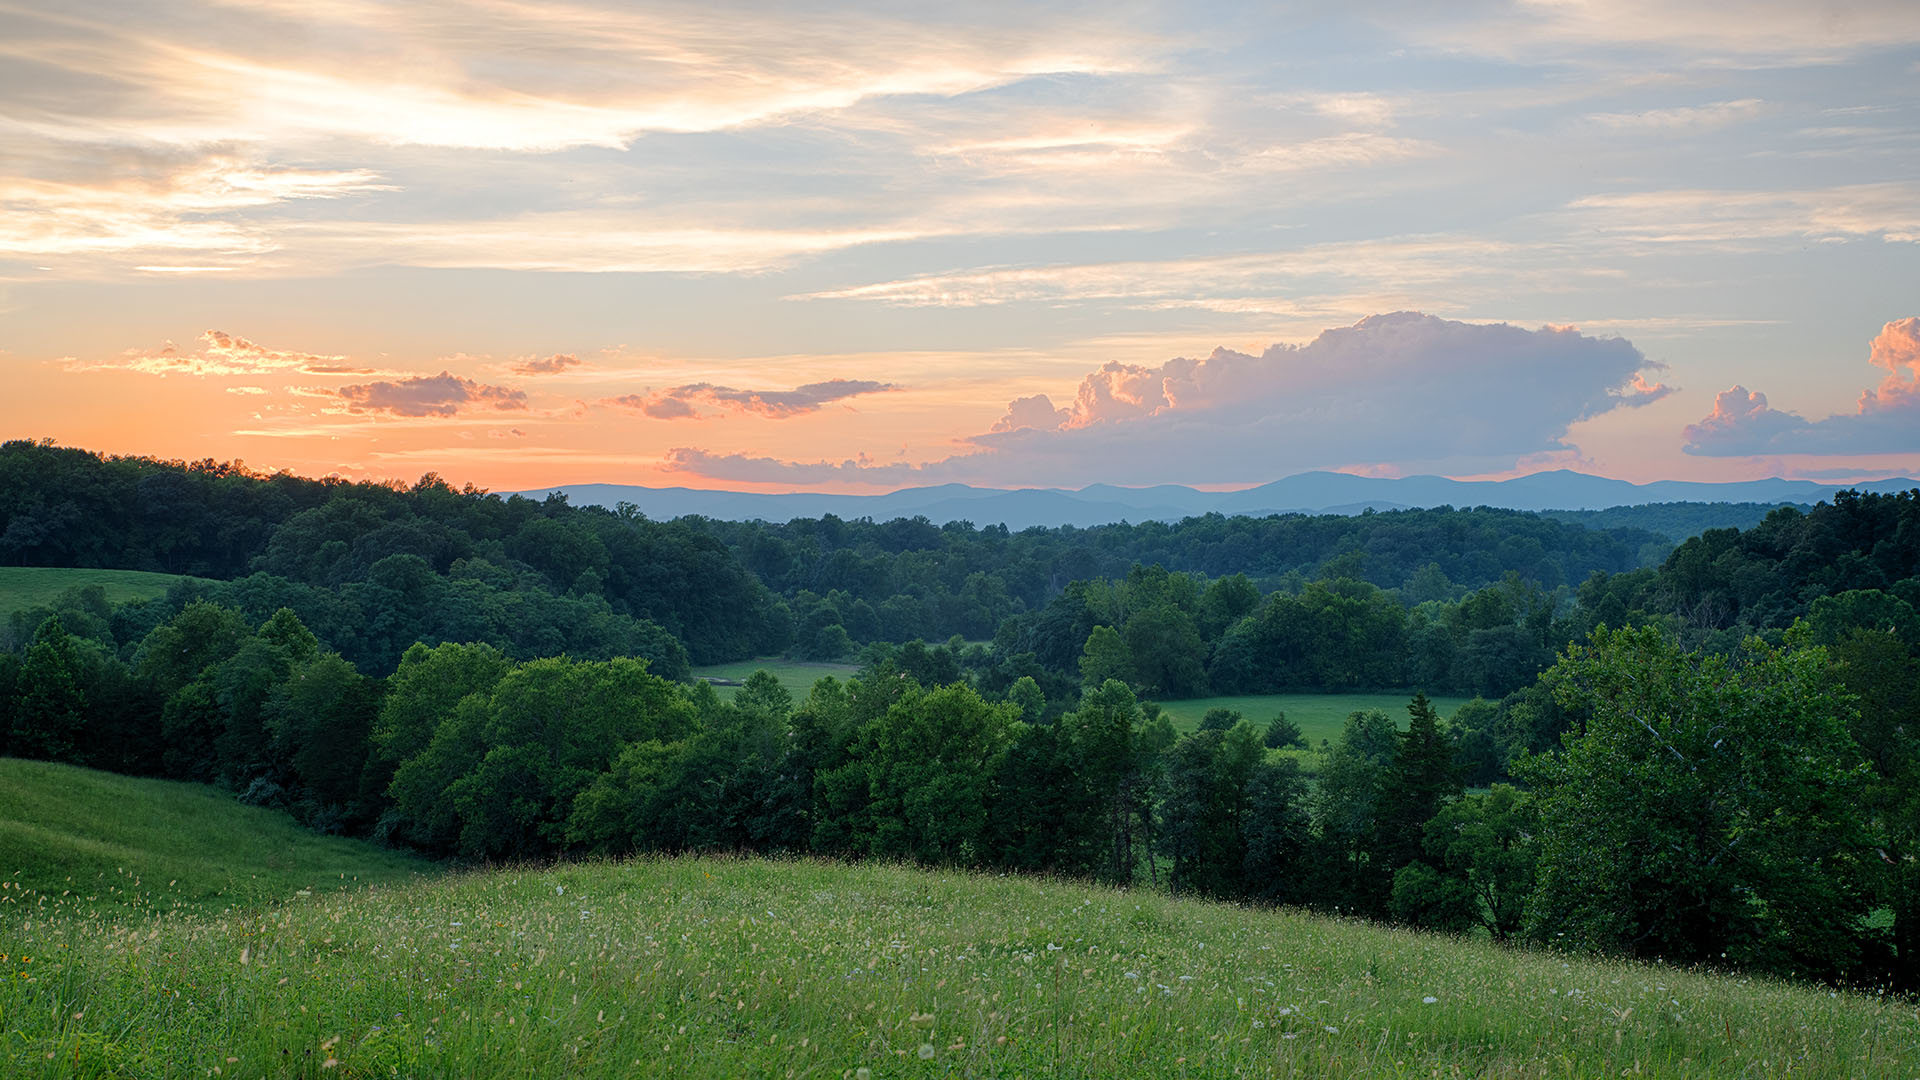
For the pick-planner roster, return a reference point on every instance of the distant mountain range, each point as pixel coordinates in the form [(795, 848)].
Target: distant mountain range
[(1101, 504)]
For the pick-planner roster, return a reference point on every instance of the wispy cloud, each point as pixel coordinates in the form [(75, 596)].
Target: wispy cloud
[(545, 365), (1884, 211), (678, 402), (220, 353), (1682, 118)]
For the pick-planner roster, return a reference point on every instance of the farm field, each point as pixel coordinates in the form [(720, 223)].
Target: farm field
[(96, 843), (709, 967), (24, 587), (1320, 716), (798, 676)]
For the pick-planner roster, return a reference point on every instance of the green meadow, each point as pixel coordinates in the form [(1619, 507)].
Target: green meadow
[(798, 676), (712, 967), (93, 843), (23, 587), (1320, 716)]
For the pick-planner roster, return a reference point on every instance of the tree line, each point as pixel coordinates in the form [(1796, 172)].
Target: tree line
[(1754, 810)]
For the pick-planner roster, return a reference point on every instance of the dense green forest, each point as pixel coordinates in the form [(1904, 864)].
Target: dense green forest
[(1709, 760)]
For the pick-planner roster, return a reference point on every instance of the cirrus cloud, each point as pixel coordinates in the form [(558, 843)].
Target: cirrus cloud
[(677, 403)]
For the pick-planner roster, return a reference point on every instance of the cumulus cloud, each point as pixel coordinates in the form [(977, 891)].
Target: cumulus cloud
[(1886, 420), (548, 365), (677, 403), (445, 394), (1480, 389), (1402, 388), (1036, 412)]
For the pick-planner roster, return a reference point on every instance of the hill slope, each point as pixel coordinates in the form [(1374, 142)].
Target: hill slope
[(710, 967), (23, 587), (98, 843)]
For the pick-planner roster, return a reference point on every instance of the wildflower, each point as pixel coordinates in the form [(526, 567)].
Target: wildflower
[(926, 1051), (1429, 1000), (1331, 1030)]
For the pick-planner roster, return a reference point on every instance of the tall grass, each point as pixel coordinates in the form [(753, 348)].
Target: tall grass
[(713, 967)]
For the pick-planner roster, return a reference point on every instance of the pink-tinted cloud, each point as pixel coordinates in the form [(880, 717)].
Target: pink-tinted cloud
[(445, 394), (1036, 412), (678, 402), (663, 406), (1404, 388), (745, 468), (548, 365), (220, 353), (1887, 419)]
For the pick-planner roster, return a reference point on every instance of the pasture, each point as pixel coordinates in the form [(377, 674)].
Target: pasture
[(704, 967), (1320, 716), (23, 587), (798, 676), (96, 843)]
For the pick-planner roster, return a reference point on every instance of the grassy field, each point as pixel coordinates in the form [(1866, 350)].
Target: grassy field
[(724, 968), (798, 676), (1320, 716), (23, 587), (96, 843), (717, 968)]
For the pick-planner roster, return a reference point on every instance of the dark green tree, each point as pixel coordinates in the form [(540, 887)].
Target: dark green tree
[(1423, 778), (49, 708), (1708, 812)]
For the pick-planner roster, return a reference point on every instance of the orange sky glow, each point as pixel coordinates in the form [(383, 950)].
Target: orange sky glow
[(853, 249)]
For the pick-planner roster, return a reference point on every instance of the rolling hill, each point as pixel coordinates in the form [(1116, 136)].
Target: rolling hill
[(716, 967)]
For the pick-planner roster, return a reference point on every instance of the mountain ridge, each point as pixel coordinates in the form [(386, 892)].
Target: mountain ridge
[(1103, 504)]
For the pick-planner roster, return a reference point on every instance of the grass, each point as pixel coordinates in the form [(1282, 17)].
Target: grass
[(23, 587), (708, 967), (1320, 716), (798, 676), (99, 844), (721, 968)]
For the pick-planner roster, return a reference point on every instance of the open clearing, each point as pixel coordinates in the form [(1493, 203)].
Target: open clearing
[(714, 967), (798, 676), (1320, 716), (23, 587)]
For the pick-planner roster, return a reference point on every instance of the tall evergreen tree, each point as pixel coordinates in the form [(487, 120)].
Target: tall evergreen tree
[(1423, 778)]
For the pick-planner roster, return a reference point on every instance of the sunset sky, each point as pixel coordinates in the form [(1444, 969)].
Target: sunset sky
[(522, 243)]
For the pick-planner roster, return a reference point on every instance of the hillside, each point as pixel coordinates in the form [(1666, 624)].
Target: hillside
[(23, 587), (96, 843), (707, 967)]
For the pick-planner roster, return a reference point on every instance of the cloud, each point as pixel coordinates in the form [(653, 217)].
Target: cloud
[(1036, 412), (444, 394), (1886, 211), (1401, 388), (677, 403), (550, 365), (1886, 420), (747, 469), (220, 353), (1683, 118)]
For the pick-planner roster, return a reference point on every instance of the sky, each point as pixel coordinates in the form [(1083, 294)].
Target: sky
[(862, 247)]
